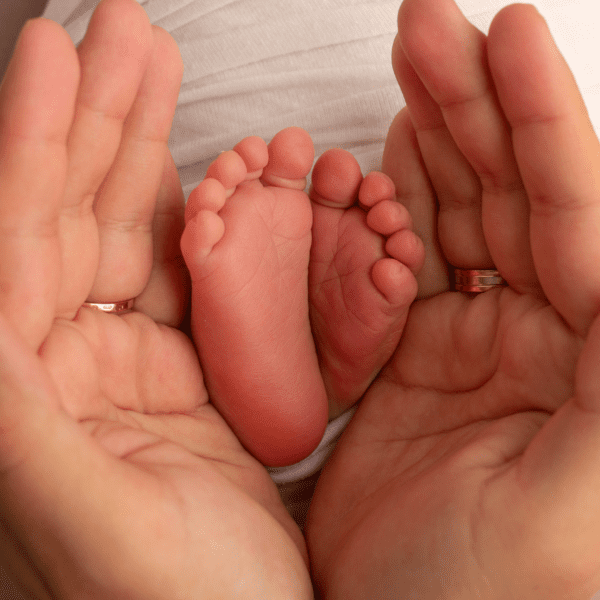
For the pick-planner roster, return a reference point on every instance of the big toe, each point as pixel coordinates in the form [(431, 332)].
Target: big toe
[(291, 155), (336, 179)]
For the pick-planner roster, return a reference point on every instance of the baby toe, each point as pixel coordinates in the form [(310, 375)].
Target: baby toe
[(375, 188), (229, 169), (388, 217), (254, 152), (406, 247), (208, 195), (199, 237), (394, 281)]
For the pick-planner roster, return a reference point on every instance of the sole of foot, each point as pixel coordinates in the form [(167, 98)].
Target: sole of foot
[(247, 246), (364, 258)]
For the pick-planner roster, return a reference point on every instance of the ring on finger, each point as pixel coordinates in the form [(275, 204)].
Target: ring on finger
[(117, 308), (477, 280)]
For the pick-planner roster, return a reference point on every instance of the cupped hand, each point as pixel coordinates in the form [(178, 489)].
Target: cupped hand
[(471, 469), (117, 477)]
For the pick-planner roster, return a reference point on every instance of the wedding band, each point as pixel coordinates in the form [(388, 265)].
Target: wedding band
[(116, 308), (477, 280)]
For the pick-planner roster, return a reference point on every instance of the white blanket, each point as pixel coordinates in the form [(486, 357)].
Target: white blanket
[(253, 67)]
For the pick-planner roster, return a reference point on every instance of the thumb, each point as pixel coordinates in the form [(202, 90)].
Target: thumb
[(54, 502), (561, 467)]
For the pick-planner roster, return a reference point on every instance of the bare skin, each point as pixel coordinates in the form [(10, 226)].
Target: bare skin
[(262, 259), (117, 477), (364, 258), (481, 435), (471, 467), (246, 244)]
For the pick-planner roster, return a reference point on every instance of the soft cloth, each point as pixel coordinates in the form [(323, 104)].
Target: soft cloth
[(253, 67)]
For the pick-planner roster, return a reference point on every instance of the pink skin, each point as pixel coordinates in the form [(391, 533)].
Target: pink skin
[(362, 274), (470, 469), (249, 264), (247, 244), (112, 459)]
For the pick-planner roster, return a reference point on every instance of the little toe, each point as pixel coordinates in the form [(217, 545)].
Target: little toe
[(375, 187), (406, 247), (229, 168), (200, 235), (388, 216), (254, 152), (291, 155), (208, 195), (395, 282)]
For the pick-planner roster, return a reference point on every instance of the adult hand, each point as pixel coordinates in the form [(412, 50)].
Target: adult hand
[(117, 477), (471, 469)]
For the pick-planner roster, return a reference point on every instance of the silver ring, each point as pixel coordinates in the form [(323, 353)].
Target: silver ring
[(477, 280), (116, 308)]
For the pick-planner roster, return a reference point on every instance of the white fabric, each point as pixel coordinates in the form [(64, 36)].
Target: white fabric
[(314, 463), (253, 67)]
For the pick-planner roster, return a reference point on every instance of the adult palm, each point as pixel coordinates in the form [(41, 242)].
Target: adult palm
[(471, 467), (118, 479)]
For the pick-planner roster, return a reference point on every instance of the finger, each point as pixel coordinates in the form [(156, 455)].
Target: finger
[(113, 57), (449, 56), (403, 163), (456, 185), (125, 205), (36, 110), (166, 296), (558, 156)]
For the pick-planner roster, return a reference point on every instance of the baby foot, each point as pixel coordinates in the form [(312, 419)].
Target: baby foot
[(247, 246), (361, 277)]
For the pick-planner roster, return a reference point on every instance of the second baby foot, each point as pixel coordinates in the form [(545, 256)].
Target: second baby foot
[(247, 246), (361, 279)]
